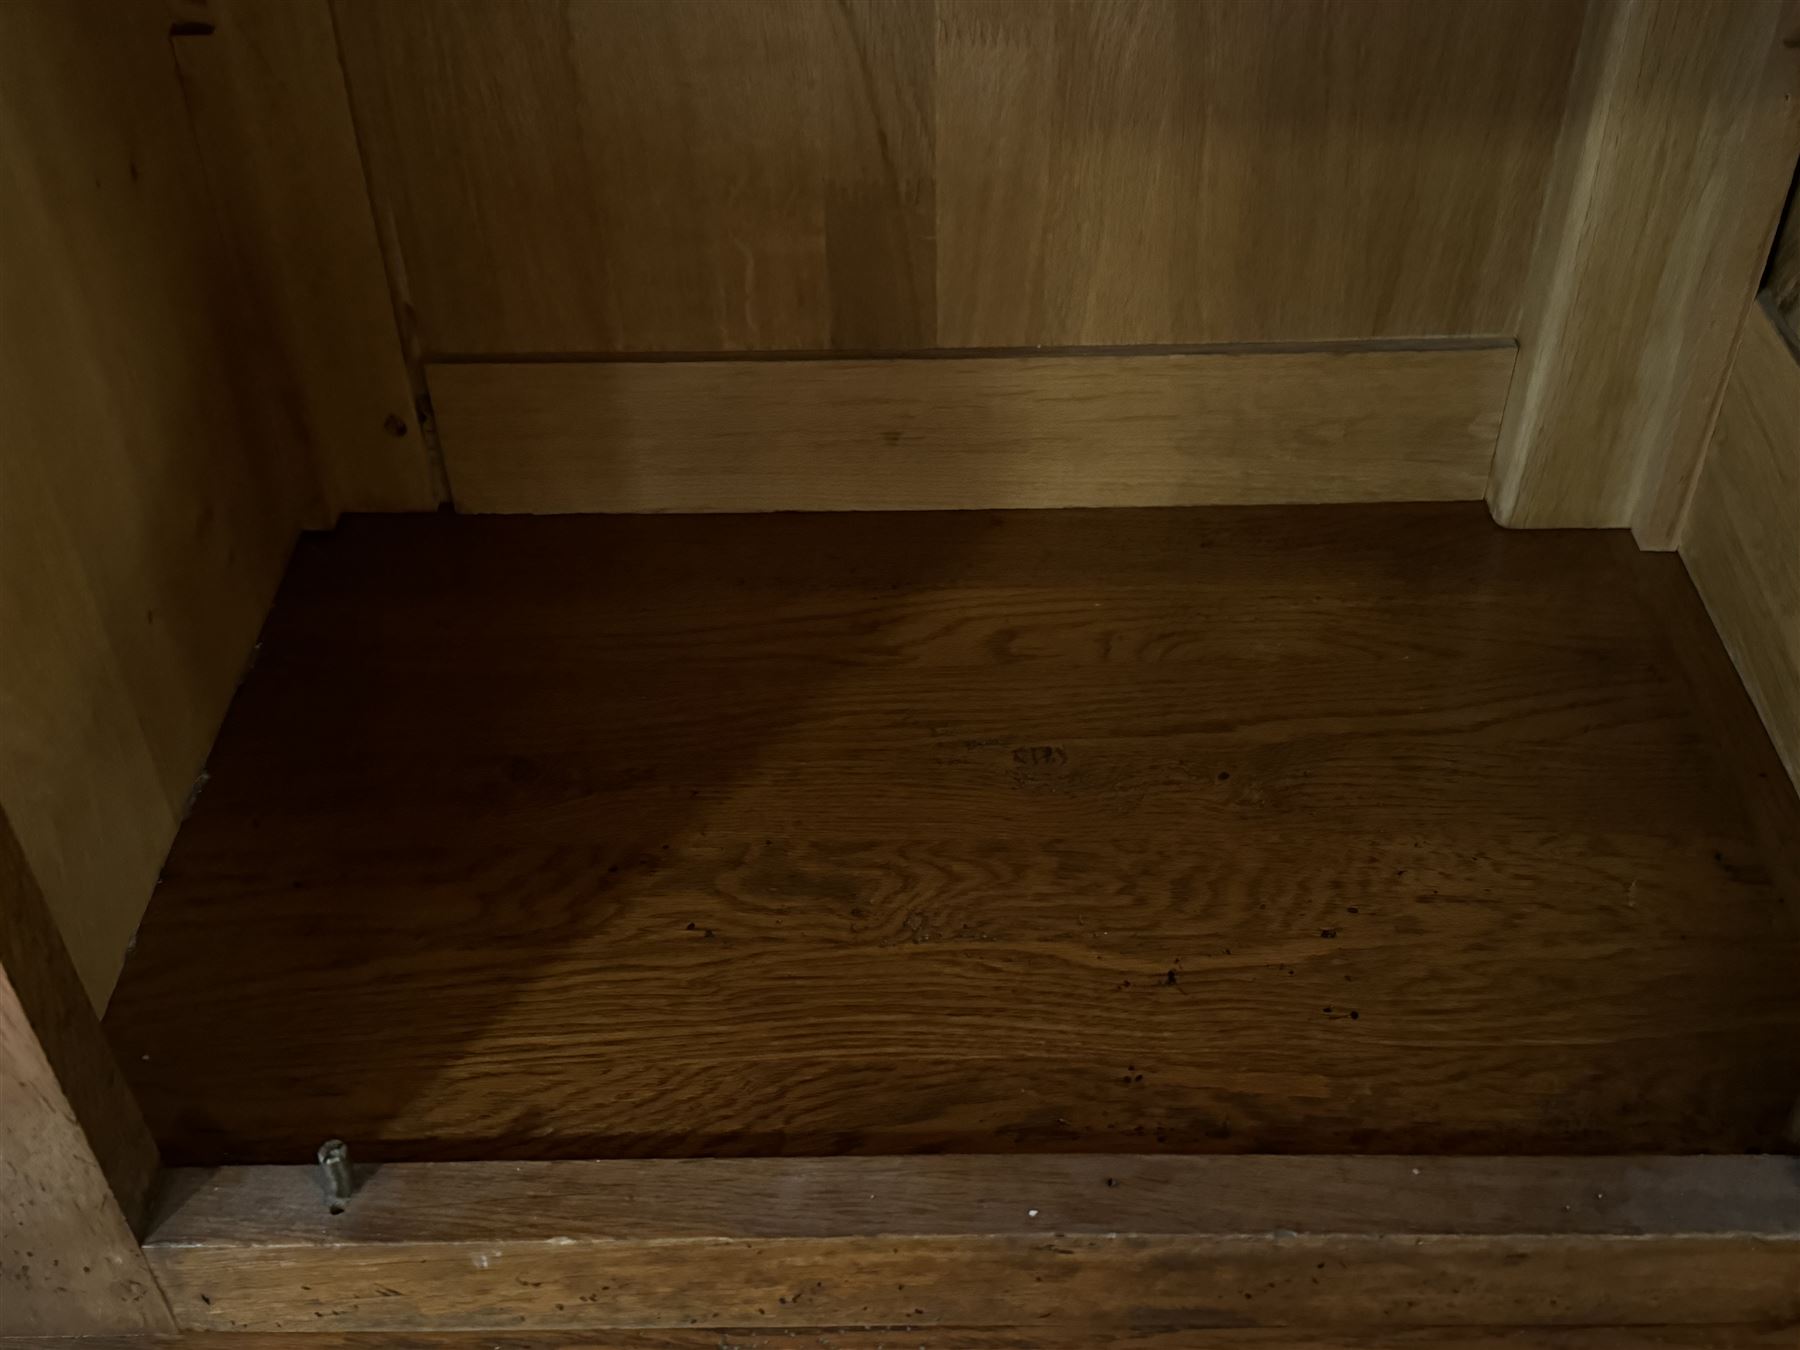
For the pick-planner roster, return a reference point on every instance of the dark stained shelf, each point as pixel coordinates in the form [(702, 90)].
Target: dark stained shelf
[(1313, 829)]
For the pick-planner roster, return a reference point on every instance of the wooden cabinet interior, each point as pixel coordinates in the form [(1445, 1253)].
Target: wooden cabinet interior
[(1272, 802)]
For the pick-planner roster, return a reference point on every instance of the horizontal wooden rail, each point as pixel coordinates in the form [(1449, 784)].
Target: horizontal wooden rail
[(1039, 1337), (987, 1241), (1338, 422)]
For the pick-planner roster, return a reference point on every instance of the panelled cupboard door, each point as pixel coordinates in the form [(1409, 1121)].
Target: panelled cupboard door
[(570, 176)]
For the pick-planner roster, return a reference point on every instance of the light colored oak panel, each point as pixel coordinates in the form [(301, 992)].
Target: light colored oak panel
[(1348, 424), (1742, 537), (644, 176), (571, 176), (1681, 139), (1160, 171), (142, 526), (266, 97)]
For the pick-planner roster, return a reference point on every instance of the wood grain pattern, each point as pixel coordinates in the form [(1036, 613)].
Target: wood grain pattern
[(1218, 831), (1169, 172), (987, 1241), (1742, 538), (877, 1281), (1334, 424), (778, 161), (736, 175), (141, 531), (74, 1154), (1679, 146), (266, 97), (1086, 1337)]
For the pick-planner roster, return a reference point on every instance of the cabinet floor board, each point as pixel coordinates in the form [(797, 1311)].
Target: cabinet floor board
[(1279, 829)]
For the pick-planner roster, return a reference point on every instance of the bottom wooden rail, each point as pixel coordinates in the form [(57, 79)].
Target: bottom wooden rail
[(986, 1241), (978, 1338)]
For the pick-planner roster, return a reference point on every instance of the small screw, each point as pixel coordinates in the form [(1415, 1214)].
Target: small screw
[(334, 1174)]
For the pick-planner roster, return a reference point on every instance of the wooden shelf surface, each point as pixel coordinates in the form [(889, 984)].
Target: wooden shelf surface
[(1310, 829)]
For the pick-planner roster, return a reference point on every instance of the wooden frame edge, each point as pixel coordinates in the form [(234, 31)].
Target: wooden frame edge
[(1675, 156), (76, 1160), (961, 1241)]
